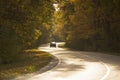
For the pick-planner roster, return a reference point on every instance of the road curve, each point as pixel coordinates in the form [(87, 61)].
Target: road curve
[(78, 65)]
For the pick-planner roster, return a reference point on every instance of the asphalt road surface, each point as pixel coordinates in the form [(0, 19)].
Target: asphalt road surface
[(79, 65)]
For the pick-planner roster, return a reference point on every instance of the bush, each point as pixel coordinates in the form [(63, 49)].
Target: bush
[(9, 44)]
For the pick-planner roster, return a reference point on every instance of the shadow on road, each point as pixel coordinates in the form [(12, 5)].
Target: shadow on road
[(69, 67)]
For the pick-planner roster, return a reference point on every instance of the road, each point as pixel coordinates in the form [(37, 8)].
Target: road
[(80, 65)]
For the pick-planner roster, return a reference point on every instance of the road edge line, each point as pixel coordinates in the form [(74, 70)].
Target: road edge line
[(107, 72)]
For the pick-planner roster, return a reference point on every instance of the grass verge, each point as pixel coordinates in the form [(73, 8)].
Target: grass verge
[(61, 45), (30, 61)]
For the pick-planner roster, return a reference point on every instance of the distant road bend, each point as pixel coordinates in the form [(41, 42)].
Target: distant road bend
[(79, 65)]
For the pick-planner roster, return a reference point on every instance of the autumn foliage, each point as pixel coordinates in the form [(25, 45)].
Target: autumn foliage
[(92, 24), (23, 23)]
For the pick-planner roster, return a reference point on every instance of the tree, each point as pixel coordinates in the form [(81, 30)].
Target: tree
[(93, 24), (23, 22)]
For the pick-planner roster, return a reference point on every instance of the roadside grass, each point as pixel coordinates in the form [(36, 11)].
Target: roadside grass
[(109, 52), (30, 61), (61, 45)]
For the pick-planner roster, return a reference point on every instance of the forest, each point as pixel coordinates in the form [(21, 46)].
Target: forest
[(24, 24), (89, 25)]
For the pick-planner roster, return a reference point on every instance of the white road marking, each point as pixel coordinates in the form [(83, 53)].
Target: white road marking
[(107, 72), (107, 68)]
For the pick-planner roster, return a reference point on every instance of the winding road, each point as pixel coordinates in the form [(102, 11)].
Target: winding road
[(79, 65)]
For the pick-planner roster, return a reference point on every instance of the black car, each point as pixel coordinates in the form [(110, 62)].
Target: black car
[(53, 44)]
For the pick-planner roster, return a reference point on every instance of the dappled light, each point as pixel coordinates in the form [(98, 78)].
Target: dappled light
[(72, 30), (30, 61), (72, 65)]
